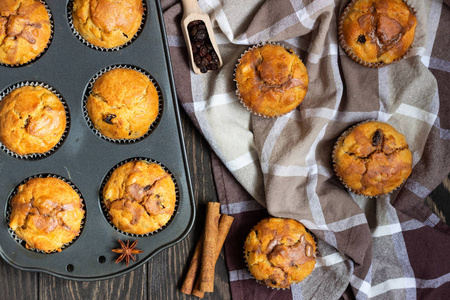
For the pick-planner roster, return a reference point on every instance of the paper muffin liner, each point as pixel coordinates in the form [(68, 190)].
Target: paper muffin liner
[(9, 211), (238, 94), (152, 126), (104, 49), (334, 159), (348, 50), (262, 283), (50, 17), (35, 156), (105, 209)]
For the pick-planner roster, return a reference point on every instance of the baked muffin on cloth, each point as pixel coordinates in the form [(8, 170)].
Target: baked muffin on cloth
[(279, 252), (107, 23), (372, 158), (377, 32), (46, 213), (25, 30), (271, 80), (123, 104), (32, 120), (139, 197)]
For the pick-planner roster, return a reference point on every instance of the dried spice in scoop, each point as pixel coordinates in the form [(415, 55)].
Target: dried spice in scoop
[(205, 57)]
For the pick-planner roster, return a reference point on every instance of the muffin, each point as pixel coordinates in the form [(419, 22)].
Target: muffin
[(271, 80), (123, 104), (32, 120), (372, 159), (25, 30), (106, 23), (279, 252), (377, 32), (46, 213), (139, 197)]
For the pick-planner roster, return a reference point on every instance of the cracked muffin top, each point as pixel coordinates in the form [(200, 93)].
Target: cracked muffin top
[(46, 213), (107, 23), (25, 30), (32, 120), (139, 197), (372, 159), (279, 252), (123, 104), (271, 80), (377, 32)]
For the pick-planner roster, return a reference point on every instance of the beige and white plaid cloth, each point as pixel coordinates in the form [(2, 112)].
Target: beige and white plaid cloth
[(368, 248)]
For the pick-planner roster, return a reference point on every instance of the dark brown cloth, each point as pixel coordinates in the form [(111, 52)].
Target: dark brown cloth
[(389, 247)]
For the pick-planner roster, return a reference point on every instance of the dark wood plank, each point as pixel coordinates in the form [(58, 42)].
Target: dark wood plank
[(166, 270), (17, 284), (132, 285)]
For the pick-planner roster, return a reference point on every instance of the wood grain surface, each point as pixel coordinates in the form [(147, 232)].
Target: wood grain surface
[(161, 277)]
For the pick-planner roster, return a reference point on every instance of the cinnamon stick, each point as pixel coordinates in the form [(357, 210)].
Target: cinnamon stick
[(209, 247), (224, 227), (194, 268)]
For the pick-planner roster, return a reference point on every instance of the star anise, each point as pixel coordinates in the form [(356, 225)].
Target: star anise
[(127, 251)]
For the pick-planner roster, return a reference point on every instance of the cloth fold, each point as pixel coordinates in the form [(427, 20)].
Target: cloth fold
[(368, 248)]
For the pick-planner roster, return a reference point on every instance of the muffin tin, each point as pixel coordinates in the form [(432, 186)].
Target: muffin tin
[(84, 158)]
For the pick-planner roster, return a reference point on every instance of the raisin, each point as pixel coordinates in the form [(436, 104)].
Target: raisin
[(377, 137), (201, 35), (204, 62), (212, 66), (214, 57), (361, 39), (203, 51), (193, 31), (108, 118)]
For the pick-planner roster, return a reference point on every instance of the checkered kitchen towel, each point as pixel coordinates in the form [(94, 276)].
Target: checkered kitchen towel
[(390, 247)]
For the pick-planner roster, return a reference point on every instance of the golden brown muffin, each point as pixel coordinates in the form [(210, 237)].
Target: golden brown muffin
[(25, 30), (123, 104), (377, 32), (46, 213), (279, 252), (271, 80), (32, 120), (139, 197), (372, 159), (107, 23)]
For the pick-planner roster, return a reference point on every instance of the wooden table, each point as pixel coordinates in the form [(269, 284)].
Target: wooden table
[(162, 276)]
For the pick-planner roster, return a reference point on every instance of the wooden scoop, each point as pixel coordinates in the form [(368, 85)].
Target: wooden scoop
[(193, 12)]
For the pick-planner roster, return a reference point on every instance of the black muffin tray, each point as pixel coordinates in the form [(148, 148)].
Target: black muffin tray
[(84, 158)]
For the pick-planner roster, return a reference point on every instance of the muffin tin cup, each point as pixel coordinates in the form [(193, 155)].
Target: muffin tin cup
[(348, 49), (238, 94), (50, 17), (334, 159), (98, 48), (105, 210), (9, 211), (34, 156), (88, 92)]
